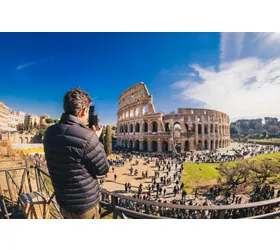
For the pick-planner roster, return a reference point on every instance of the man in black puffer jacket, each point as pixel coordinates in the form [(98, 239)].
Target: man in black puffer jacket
[(75, 157)]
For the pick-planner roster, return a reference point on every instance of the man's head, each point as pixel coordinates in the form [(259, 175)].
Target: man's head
[(76, 102)]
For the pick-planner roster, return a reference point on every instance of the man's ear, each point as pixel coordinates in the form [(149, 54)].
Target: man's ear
[(83, 112)]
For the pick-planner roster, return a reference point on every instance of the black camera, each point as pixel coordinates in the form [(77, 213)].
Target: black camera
[(92, 117)]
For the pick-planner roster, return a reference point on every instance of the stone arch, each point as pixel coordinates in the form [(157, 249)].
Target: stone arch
[(137, 127), (187, 127), (21, 140), (177, 126), (167, 126), (211, 128), (205, 129), (131, 128), (199, 145), (126, 128), (130, 144), (164, 146), (216, 144), (220, 143), (154, 146), (26, 140), (199, 128), (145, 146), (145, 127), (125, 144), (212, 144), (206, 144), (136, 146), (154, 126), (216, 128), (186, 146)]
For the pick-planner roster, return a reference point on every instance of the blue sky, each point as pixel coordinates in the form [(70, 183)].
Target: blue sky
[(180, 69)]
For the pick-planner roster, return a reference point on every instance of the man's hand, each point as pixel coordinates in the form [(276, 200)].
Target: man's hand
[(97, 130)]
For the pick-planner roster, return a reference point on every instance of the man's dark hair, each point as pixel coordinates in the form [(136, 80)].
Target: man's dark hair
[(75, 100)]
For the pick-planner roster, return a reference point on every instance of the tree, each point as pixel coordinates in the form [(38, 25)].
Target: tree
[(20, 127), (273, 129), (108, 146), (259, 127), (261, 171), (234, 130), (49, 120), (102, 137), (233, 176)]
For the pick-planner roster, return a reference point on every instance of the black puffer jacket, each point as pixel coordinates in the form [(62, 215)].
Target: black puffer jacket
[(74, 158)]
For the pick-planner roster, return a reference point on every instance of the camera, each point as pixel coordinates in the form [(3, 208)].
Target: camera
[(92, 117)]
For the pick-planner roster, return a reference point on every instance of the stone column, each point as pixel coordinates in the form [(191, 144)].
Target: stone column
[(149, 145), (159, 145)]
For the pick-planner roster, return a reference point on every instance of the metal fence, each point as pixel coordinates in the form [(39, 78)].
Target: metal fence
[(31, 178)]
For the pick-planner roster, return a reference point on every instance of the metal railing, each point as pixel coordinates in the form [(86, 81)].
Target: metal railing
[(36, 178)]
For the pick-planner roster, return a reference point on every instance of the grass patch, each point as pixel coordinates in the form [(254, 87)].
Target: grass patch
[(272, 140), (193, 177)]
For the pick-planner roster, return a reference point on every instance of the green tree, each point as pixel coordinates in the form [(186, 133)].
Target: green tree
[(49, 120), (102, 137), (20, 127), (273, 129), (108, 146), (233, 176)]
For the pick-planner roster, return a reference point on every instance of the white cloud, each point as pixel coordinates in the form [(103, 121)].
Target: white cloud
[(247, 87), (247, 83), (26, 65)]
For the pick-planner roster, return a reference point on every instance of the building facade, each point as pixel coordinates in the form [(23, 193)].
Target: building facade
[(15, 118), (4, 117), (141, 128)]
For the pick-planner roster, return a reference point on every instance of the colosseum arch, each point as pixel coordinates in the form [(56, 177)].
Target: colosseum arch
[(220, 143), (126, 128), (205, 129), (145, 127), (205, 144), (186, 146), (154, 146), (211, 144), (154, 127), (137, 127), (187, 127), (177, 126), (131, 128), (216, 128), (167, 127), (131, 144), (137, 145), (26, 140), (164, 146), (21, 140), (145, 146), (211, 128), (216, 144), (199, 145), (199, 129)]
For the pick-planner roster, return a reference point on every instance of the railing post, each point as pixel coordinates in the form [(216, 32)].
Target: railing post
[(9, 187), (222, 214), (114, 203)]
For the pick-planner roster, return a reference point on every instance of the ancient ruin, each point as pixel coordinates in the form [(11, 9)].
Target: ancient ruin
[(141, 128)]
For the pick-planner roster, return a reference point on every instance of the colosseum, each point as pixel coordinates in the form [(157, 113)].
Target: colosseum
[(141, 128)]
